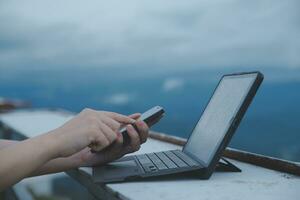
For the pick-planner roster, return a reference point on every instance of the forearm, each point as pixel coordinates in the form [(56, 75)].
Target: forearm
[(52, 166), (19, 159), (57, 165), (7, 143)]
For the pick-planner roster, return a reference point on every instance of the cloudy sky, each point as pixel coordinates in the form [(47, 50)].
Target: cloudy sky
[(169, 34)]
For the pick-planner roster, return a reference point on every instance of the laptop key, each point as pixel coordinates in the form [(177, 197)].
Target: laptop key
[(146, 163), (169, 163), (152, 168), (149, 168), (143, 159), (159, 164), (175, 159), (185, 158)]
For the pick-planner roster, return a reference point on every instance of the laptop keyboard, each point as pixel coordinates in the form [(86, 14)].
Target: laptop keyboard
[(152, 162)]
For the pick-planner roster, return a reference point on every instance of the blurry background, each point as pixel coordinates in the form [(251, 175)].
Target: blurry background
[(129, 56)]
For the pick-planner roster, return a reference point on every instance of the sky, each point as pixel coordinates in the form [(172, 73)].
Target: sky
[(171, 34)]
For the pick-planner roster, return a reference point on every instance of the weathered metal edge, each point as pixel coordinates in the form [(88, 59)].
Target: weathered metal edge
[(99, 191), (247, 157)]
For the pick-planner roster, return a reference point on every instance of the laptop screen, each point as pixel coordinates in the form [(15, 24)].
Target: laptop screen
[(218, 115)]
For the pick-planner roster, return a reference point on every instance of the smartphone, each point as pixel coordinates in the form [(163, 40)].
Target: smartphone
[(150, 117)]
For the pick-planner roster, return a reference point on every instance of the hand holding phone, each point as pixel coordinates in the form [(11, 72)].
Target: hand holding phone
[(150, 117)]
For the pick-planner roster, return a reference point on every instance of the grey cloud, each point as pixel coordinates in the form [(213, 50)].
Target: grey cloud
[(210, 34)]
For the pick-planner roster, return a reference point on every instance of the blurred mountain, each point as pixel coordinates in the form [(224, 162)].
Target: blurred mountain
[(270, 126)]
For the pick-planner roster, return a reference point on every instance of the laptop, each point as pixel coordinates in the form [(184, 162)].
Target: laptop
[(206, 143)]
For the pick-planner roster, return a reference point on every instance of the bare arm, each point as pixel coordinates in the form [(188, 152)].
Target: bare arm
[(52, 166), (85, 157), (19, 160), (67, 146), (6, 143)]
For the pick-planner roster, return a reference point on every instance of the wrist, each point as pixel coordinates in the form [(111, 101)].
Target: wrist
[(51, 143)]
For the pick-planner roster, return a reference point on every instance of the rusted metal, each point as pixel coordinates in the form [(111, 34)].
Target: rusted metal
[(247, 157), (167, 138), (264, 161), (11, 104)]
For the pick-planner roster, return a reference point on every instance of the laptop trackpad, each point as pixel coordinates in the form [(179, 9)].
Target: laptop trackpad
[(117, 170)]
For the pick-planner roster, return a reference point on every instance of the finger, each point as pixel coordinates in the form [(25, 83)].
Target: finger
[(113, 124), (135, 115), (118, 144), (115, 147), (134, 139), (119, 139), (143, 130), (121, 118), (100, 143), (108, 132)]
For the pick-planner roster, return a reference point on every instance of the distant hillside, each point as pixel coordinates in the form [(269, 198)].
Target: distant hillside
[(271, 126)]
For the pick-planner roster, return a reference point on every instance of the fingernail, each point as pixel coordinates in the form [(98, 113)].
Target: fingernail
[(140, 123)]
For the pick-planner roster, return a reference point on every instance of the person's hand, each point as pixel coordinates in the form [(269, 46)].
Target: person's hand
[(97, 129), (117, 149)]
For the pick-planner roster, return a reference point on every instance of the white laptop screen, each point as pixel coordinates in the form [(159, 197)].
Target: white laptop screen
[(218, 115)]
